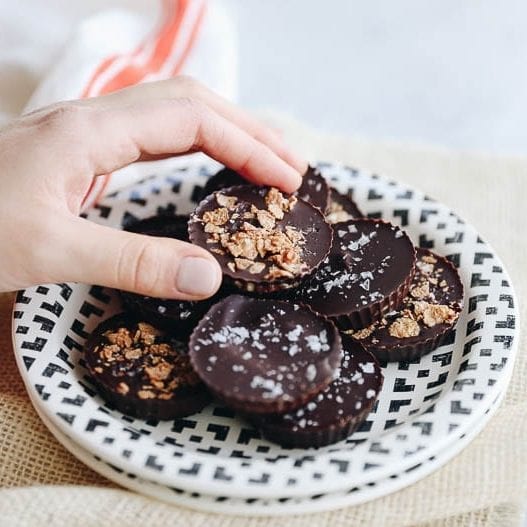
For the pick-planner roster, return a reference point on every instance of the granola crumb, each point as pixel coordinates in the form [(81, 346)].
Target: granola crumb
[(421, 291), (433, 314), (257, 267), (122, 388), (226, 201), (258, 245), (363, 333), (428, 258), (336, 213), (404, 327), (146, 394), (425, 267)]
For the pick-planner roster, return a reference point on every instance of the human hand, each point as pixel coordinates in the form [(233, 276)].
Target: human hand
[(48, 160)]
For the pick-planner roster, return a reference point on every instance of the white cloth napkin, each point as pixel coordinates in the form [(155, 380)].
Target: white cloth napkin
[(109, 48)]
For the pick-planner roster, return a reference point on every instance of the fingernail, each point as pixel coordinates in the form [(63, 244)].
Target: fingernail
[(197, 276)]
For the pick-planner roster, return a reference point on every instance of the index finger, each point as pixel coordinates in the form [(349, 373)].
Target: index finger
[(122, 135)]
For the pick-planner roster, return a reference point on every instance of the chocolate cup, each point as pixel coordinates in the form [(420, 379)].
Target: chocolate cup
[(304, 217), (388, 348), (170, 315), (335, 413), (225, 178), (349, 207), (186, 399), (314, 188), (161, 225), (264, 356), (367, 273)]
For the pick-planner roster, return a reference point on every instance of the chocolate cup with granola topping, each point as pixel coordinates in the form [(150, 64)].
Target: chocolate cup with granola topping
[(264, 356), (142, 371), (334, 413), (314, 188), (426, 317), (341, 208), (264, 240), (367, 273), (179, 316)]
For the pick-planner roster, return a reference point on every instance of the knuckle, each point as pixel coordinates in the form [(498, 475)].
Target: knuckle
[(139, 265), (188, 84), (67, 117)]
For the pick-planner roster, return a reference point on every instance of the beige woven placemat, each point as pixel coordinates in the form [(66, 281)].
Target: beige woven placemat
[(486, 485)]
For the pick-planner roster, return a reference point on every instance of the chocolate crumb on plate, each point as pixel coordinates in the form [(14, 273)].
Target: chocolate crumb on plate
[(264, 240), (334, 413), (143, 371), (264, 356), (426, 317)]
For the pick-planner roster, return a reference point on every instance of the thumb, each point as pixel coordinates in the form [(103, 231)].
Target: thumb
[(160, 267)]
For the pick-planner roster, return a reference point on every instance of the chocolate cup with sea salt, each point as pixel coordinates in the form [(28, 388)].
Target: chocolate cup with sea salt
[(426, 317), (341, 208), (264, 240), (143, 371), (314, 188), (334, 413), (264, 356), (172, 315), (367, 273)]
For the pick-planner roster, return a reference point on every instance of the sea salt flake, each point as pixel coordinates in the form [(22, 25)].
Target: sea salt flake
[(293, 335), (367, 367), (311, 372)]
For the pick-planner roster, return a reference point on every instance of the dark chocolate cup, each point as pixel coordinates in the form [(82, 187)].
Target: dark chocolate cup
[(176, 316), (414, 351), (243, 281), (251, 401), (314, 188), (288, 433), (415, 347), (366, 316), (189, 402), (225, 178), (170, 315), (187, 399), (161, 225), (348, 317)]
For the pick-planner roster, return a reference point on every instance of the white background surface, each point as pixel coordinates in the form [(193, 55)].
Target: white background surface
[(445, 72)]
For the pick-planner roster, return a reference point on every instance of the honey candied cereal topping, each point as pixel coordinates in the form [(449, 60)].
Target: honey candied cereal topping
[(259, 244)]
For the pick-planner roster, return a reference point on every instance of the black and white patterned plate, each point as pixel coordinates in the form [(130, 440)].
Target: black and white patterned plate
[(424, 406), (278, 506)]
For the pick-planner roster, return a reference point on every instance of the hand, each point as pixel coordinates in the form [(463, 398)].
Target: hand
[(49, 158)]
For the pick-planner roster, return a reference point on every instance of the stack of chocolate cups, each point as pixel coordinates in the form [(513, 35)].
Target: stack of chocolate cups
[(314, 295)]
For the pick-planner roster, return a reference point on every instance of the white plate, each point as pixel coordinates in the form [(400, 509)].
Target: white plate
[(423, 408), (274, 507)]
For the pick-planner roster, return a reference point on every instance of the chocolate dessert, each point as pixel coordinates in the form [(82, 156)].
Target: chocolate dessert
[(341, 208), (314, 188), (143, 371), (426, 316), (264, 356), (166, 313), (264, 240), (334, 413), (367, 273)]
